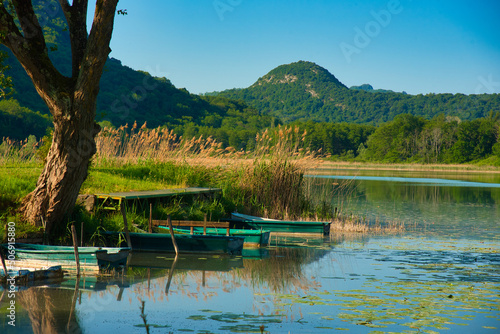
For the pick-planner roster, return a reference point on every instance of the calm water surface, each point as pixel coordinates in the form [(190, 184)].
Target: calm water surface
[(442, 276)]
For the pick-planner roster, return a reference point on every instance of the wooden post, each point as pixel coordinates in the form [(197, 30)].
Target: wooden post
[(73, 302), (125, 224), (149, 278), (150, 217), (3, 262), (172, 234), (205, 225), (81, 236), (75, 246), (120, 294), (170, 275)]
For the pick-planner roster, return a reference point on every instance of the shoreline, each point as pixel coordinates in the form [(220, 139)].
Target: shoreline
[(343, 165)]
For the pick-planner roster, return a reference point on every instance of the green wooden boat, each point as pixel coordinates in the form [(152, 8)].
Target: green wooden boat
[(86, 255), (279, 226), (253, 238), (187, 243), (114, 260)]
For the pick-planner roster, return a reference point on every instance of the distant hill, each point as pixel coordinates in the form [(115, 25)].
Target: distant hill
[(305, 91), (369, 88)]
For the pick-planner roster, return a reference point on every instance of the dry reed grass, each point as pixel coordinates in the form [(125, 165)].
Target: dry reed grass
[(350, 225), (15, 151), (159, 145), (124, 145)]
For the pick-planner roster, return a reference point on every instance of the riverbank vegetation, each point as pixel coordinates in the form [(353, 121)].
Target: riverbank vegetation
[(266, 181)]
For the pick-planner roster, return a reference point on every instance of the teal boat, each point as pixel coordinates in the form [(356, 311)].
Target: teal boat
[(187, 243), (253, 238), (106, 260), (279, 226), (87, 255)]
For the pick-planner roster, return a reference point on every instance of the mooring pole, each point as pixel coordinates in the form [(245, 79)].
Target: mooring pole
[(150, 217), (3, 263), (125, 224), (205, 224), (81, 235), (75, 246), (172, 234)]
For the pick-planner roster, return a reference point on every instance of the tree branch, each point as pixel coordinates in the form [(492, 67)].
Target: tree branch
[(97, 50), (76, 16), (32, 30), (31, 51), (9, 33)]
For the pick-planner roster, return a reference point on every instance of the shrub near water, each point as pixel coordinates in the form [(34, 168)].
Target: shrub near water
[(275, 188)]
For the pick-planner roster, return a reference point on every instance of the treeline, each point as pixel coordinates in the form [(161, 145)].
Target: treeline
[(442, 139), (407, 138)]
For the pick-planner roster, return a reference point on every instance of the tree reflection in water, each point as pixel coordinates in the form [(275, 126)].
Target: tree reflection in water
[(50, 310)]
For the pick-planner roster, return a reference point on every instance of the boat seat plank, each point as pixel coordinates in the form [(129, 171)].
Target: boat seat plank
[(190, 223)]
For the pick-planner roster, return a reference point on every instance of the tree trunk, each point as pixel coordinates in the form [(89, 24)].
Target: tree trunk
[(71, 101), (66, 169)]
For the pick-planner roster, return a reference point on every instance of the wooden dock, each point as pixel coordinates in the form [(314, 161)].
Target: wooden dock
[(129, 195), (106, 200)]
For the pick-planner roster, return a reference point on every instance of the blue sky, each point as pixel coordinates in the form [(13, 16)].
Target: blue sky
[(415, 46)]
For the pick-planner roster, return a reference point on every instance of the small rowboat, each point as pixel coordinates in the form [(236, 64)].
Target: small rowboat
[(280, 226), (107, 260), (253, 238), (187, 243), (60, 254)]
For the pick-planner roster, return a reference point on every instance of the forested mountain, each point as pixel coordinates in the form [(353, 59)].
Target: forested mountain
[(126, 96), (305, 91)]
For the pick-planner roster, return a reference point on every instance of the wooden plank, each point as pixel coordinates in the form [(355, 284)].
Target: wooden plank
[(158, 193), (190, 223)]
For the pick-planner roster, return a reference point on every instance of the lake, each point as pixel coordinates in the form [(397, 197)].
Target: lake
[(441, 275)]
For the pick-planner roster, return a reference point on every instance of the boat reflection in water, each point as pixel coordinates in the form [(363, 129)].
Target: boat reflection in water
[(166, 283)]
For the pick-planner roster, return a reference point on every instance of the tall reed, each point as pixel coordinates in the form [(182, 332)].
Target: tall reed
[(16, 152), (159, 145)]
